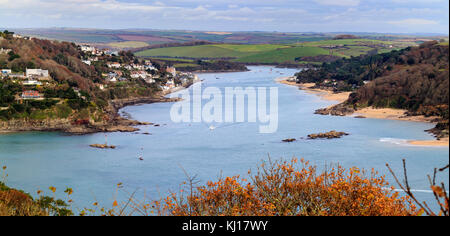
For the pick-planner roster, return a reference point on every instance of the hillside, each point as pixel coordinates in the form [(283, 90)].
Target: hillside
[(415, 79), (73, 90)]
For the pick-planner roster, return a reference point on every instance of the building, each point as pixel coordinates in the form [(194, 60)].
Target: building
[(32, 82), (171, 70), (5, 51), (150, 80), (87, 62), (87, 48), (112, 77), (31, 94), (114, 65), (37, 73), (6, 71)]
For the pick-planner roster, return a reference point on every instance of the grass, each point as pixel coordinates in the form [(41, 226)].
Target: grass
[(210, 51), (274, 53), (283, 55), (129, 44)]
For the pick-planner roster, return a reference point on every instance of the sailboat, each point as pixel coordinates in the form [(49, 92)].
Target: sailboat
[(141, 157)]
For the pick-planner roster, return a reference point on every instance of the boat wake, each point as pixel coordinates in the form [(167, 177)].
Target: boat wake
[(396, 141)]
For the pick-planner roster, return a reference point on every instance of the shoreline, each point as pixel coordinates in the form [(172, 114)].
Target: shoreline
[(370, 112), (117, 123), (322, 93)]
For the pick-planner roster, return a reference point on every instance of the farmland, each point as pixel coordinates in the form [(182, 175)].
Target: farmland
[(277, 53), (243, 47)]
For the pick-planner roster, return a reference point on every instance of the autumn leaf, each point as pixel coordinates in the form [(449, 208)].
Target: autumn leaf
[(438, 191), (53, 189)]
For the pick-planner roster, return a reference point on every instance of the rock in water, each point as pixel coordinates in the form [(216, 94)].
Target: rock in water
[(329, 135), (290, 140), (102, 146)]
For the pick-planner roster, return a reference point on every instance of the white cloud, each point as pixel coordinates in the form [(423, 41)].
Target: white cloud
[(413, 22), (230, 15), (349, 3)]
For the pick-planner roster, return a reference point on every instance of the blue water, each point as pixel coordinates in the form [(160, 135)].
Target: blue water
[(39, 160)]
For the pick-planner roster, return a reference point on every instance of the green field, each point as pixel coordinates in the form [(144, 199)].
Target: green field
[(276, 53), (128, 44), (210, 51), (283, 55), (261, 53)]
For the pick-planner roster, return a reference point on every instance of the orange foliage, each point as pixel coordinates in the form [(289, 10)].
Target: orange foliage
[(281, 188)]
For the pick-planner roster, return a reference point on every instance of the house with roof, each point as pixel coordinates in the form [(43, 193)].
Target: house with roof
[(37, 73), (112, 77), (171, 70), (6, 71), (31, 94), (115, 65), (5, 51), (31, 82)]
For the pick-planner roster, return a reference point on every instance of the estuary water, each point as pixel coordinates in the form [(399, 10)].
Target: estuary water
[(38, 160)]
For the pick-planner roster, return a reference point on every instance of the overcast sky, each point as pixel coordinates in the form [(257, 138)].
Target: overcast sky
[(384, 16)]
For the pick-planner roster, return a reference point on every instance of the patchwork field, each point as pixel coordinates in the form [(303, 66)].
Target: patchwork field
[(297, 53), (231, 51), (244, 47), (128, 44)]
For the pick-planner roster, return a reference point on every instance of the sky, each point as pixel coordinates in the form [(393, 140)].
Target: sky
[(382, 16)]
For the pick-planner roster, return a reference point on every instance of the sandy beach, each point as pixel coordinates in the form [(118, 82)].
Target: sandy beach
[(370, 112), (430, 143), (391, 114), (308, 87)]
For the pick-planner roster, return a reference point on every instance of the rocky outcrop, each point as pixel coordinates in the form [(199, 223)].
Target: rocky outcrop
[(329, 135), (103, 146), (116, 123), (290, 140), (337, 110)]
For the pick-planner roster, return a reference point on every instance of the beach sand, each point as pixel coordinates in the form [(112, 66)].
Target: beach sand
[(369, 112), (392, 114), (430, 143), (308, 87)]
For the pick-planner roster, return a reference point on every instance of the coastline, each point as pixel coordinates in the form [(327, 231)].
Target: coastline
[(322, 93), (116, 123), (370, 112)]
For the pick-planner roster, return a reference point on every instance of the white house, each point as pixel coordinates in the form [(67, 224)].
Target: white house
[(150, 80), (37, 72), (114, 65), (87, 48), (4, 51), (87, 62), (31, 82), (6, 71)]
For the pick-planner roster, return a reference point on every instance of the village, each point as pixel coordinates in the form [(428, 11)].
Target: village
[(114, 73)]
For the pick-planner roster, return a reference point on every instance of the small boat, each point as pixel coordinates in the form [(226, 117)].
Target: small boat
[(141, 157), (212, 127)]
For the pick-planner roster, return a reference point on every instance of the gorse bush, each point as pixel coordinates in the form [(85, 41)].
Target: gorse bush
[(15, 202), (283, 188)]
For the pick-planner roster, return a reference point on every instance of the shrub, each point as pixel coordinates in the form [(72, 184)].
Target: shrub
[(281, 188)]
